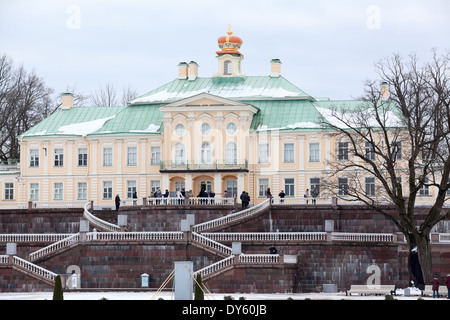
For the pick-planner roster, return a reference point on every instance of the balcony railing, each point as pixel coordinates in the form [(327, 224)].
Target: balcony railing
[(204, 166)]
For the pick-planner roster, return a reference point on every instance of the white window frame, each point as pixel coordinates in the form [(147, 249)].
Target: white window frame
[(34, 158), (314, 153), (82, 190), (289, 188), (107, 187), (34, 191), (263, 153), (58, 157), (58, 191), (132, 155), (107, 156), (155, 157), (263, 185), (8, 188), (288, 154), (82, 157)]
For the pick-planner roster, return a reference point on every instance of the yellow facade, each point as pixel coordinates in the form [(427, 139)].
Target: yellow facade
[(204, 140)]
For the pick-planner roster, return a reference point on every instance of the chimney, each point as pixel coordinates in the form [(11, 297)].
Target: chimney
[(275, 68), (67, 100), (192, 70), (384, 91), (182, 70)]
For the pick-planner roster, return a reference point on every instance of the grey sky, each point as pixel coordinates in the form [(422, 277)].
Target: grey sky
[(327, 48)]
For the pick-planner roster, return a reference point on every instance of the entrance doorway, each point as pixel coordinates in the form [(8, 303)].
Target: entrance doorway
[(205, 185)]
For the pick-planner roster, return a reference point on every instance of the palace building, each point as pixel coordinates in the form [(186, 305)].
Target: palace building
[(229, 131)]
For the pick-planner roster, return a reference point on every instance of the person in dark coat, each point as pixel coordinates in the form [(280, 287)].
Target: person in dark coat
[(134, 198), (244, 199), (281, 195), (273, 250), (117, 201), (435, 286)]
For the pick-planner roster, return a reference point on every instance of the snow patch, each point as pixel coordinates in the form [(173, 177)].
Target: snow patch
[(152, 128), (84, 128)]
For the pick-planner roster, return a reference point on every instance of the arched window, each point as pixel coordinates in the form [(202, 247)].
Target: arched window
[(205, 153), (180, 157), (227, 67), (231, 153)]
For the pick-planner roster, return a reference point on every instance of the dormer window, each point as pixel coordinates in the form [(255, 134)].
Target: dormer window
[(227, 67)]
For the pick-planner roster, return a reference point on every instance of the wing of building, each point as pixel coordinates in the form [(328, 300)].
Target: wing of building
[(228, 132)]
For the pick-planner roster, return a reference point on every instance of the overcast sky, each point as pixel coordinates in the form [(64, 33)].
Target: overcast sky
[(328, 48)]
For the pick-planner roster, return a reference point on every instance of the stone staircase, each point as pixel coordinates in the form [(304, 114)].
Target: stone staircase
[(111, 234)]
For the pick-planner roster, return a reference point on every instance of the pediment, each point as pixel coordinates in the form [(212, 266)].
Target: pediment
[(205, 102)]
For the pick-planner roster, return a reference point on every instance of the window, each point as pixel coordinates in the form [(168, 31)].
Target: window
[(107, 157), (131, 189), (58, 191), (155, 185), (9, 191), (132, 156), (343, 151), (206, 185), (34, 191), (205, 153), (370, 151), (59, 157), (232, 188), (263, 185), (231, 128), (107, 190), (206, 129), (155, 155), (179, 154), (289, 152), (34, 158), (82, 191), (396, 151), (231, 153), (227, 67), (425, 190), (314, 152), (370, 186), (289, 187), (82, 157), (315, 183), (264, 153), (343, 186), (448, 191), (180, 130), (179, 185)]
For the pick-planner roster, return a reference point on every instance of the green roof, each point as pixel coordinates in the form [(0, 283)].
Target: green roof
[(285, 115), (83, 121), (239, 88), (281, 106)]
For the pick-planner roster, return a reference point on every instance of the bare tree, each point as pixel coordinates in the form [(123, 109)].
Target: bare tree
[(105, 97), (128, 94), (393, 148), (24, 100)]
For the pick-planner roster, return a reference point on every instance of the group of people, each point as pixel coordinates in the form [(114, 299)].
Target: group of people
[(435, 286), (245, 199), (313, 195)]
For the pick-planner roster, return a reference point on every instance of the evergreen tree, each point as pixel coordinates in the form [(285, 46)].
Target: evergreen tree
[(58, 290), (198, 293)]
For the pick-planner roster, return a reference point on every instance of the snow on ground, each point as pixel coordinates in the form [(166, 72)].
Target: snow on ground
[(148, 295)]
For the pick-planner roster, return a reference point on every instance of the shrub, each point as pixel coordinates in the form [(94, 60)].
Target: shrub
[(58, 290), (198, 293)]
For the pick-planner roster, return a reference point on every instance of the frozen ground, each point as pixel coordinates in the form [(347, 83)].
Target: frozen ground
[(148, 295)]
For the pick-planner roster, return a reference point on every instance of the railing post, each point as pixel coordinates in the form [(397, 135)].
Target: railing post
[(84, 228)]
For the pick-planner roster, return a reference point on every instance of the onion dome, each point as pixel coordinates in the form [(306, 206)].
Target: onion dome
[(229, 44)]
